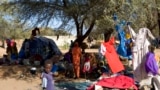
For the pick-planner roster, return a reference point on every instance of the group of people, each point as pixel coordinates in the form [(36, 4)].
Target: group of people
[(144, 64), (82, 62), (12, 52), (143, 57)]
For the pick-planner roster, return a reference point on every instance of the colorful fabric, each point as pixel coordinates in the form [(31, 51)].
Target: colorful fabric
[(151, 65), (139, 51), (76, 54), (86, 67), (42, 46), (128, 36), (112, 57), (118, 82), (123, 48)]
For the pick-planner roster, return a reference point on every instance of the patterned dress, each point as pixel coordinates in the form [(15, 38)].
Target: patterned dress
[(76, 54)]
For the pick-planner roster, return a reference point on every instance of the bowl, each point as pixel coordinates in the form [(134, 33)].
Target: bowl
[(33, 70)]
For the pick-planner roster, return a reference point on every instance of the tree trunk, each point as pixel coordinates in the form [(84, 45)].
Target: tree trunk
[(81, 37), (159, 22)]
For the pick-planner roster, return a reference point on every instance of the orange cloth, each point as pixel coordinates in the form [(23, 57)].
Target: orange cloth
[(112, 57), (157, 58), (76, 54)]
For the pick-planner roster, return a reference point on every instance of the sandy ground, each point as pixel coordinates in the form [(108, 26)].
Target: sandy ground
[(13, 84)]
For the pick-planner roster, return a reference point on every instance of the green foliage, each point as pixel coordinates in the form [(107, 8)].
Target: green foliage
[(85, 15)]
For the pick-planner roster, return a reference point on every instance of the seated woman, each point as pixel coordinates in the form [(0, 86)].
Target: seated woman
[(152, 68), (151, 64)]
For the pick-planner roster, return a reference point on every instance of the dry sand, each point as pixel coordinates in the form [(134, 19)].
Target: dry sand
[(13, 84)]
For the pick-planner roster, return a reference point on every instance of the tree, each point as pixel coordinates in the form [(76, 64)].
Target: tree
[(83, 15)]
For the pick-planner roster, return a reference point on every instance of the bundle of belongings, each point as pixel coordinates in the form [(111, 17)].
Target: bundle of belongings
[(38, 49)]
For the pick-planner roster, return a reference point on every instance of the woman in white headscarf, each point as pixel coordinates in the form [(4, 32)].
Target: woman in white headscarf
[(139, 50)]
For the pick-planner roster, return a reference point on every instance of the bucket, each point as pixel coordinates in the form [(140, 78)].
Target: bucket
[(33, 70)]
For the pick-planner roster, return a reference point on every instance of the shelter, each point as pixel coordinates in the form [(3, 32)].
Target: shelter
[(39, 46)]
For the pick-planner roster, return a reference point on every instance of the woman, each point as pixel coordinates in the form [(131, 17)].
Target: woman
[(110, 53), (76, 54)]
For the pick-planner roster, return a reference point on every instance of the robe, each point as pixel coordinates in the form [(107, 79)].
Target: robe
[(121, 48), (76, 54), (139, 51), (151, 65), (112, 57)]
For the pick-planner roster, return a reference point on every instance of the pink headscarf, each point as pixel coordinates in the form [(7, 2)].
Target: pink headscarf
[(12, 43)]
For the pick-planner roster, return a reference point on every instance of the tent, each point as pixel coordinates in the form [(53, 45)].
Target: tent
[(41, 46)]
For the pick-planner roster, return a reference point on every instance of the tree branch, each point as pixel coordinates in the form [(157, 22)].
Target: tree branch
[(90, 28), (77, 25), (81, 25)]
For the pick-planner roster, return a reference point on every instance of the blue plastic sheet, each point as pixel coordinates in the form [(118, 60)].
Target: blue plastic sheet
[(122, 49), (41, 46), (72, 85)]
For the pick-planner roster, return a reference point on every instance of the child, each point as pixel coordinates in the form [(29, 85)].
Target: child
[(87, 65), (47, 77)]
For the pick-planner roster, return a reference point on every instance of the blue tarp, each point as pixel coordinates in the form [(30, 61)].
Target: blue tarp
[(122, 49), (42, 46), (72, 85)]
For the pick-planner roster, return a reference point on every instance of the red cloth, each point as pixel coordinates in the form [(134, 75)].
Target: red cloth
[(119, 82), (112, 57)]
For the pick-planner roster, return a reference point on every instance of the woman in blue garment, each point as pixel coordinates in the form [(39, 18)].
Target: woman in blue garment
[(124, 47), (121, 48)]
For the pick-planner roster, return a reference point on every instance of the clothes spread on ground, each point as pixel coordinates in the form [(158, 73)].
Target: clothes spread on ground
[(118, 82), (112, 57)]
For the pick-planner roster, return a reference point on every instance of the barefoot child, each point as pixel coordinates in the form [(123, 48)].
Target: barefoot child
[(47, 77)]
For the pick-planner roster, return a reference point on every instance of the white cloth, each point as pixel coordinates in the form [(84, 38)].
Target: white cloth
[(102, 49), (139, 50), (87, 66), (151, 81), (156, 83), (44, 82)]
